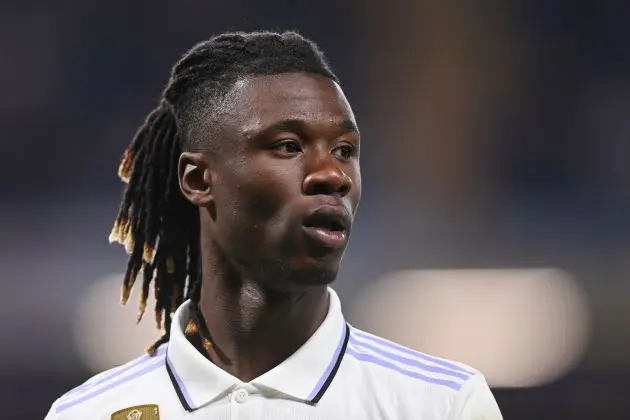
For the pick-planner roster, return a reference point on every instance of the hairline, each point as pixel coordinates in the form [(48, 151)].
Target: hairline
[(211, 107)]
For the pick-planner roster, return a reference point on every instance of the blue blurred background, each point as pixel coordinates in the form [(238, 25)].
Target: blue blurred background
[(495, 222)]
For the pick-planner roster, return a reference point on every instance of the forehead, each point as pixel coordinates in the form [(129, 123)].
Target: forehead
[(256, 102)]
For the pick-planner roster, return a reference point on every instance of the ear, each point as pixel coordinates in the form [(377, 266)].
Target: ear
[(195, 181)]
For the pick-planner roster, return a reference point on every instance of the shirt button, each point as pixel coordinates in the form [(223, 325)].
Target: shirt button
[(240, 396)]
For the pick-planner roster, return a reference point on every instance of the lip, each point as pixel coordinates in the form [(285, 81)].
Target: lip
[(315, 226), (326, 238)]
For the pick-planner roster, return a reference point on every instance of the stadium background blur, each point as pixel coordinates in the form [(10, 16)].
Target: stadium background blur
[(495, 222)]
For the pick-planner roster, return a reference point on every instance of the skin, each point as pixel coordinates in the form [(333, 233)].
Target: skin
[(283, 146)]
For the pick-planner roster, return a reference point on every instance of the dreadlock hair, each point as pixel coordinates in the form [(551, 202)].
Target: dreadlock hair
[(157, 226)]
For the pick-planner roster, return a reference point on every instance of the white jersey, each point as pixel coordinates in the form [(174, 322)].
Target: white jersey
[(341, 372)]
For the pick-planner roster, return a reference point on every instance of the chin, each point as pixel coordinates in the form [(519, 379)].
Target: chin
[(316, 276), (312, 274)]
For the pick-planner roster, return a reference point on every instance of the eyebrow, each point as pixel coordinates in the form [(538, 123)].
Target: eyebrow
[(349, 126), (298, 125)]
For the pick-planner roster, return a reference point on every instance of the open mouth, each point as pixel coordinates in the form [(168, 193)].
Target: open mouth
[(325, 223), (331, 218), (328, 226)]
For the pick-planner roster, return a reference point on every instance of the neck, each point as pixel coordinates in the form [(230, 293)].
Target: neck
[(254, 329)]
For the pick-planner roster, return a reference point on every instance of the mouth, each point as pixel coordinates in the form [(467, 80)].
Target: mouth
[(328, 226)]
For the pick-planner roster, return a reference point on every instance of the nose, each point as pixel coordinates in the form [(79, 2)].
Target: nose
[(327, 179)]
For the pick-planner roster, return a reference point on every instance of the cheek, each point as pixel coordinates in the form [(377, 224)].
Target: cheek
[(261, 202), (257, 197)]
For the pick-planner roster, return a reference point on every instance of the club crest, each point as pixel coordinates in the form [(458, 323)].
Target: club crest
[(139, 412)]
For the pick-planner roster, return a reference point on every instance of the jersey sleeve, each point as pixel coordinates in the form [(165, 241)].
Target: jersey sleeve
[(476, 402)]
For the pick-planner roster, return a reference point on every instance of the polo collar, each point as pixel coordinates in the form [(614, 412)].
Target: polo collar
[(304, 376)]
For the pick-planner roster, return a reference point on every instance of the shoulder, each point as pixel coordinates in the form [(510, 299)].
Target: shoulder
[(476, 402), (454, 386), (394, 358), (108, 386)]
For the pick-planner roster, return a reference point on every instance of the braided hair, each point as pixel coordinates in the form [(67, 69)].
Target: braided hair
[(157, 226)]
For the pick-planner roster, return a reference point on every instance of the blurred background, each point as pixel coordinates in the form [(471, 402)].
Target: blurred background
[(495, 222)]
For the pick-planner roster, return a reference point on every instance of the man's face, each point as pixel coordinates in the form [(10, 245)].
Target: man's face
[(285, 179)]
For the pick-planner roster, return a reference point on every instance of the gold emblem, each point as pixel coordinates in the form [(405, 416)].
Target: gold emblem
[(139, 412), (134, 415)]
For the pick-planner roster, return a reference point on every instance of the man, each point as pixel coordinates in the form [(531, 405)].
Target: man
[(242, 188)]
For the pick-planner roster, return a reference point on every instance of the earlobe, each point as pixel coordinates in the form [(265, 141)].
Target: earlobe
[(194, 179)]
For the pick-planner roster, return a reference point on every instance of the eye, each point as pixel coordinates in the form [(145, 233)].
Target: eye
[(287, 147), (346, 151)]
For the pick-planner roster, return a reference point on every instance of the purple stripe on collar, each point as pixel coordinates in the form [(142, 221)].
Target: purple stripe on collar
[(180, 388), (326, 379)]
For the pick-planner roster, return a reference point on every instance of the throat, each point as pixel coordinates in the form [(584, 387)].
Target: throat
[(251, 333)]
